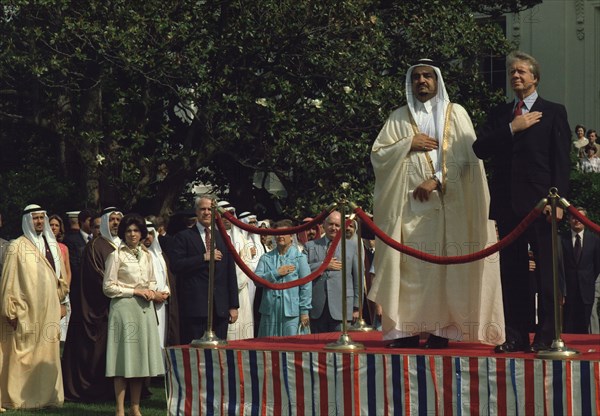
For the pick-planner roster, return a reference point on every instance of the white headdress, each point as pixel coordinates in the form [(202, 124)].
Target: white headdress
[(105, 228), (246, 217), (439, 103), (158, 261), (38, 240)]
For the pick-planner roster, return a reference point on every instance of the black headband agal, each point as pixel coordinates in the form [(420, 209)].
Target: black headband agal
[(108, 210), (36, 208), (427, 61)]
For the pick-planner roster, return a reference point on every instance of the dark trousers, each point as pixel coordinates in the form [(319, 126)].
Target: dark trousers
[(577, 313), (325, 323), (516, 281), (194, 328)]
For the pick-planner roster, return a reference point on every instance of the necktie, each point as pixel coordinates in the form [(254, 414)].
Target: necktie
[(326, 271), (519, 108), (207, 238), (49, 254), (577, 248)]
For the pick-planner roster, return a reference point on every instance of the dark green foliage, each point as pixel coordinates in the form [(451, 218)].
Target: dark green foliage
[(299, 88)]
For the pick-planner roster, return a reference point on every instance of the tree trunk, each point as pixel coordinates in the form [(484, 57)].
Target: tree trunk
[(90, 135)]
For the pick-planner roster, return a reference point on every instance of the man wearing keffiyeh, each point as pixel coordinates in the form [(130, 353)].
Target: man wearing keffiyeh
[(32, 289), (84, 355), (431, 194)]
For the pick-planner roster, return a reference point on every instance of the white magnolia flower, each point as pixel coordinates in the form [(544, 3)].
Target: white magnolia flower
[(347, 89), (100, 159), (317, 103), (262, 101)]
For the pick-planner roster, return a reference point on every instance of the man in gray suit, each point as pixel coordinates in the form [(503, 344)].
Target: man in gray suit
[(326, 313)]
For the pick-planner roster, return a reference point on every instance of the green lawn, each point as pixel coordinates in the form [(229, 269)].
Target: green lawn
[(155, 405)]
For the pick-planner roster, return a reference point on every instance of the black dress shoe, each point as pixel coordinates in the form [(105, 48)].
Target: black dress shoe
[(406, 342), (435, 342), (538, 346), (511, 346)]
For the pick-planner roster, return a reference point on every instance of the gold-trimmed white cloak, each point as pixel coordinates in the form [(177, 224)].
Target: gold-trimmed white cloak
[(459, 302)]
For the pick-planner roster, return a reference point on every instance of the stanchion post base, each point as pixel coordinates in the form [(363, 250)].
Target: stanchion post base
[(360, 326), (208, 340), (558, 351), (344, 343)]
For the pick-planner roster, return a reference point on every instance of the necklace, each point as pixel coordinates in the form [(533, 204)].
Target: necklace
[(136, 252)]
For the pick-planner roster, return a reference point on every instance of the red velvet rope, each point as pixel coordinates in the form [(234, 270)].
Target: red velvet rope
[(266, 283), (280, 231), (514, 234), (583, 219)]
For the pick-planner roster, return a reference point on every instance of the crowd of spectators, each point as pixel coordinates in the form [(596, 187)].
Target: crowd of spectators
[(118, 269), (587, 149), (121, 267)]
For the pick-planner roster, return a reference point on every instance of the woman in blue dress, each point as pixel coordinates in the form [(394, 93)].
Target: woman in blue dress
[(283, 312)]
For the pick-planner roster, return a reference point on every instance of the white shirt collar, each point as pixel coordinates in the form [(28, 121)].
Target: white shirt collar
[(529, 100)]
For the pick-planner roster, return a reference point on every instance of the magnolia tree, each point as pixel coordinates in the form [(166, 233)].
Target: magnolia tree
[(128, 103)]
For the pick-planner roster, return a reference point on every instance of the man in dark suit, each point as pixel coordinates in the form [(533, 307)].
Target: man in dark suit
[(581, 259), (190, 261), (528, 141), (75, 239), (326, 312)]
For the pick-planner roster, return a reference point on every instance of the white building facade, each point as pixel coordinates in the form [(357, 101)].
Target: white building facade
[(564, 36)]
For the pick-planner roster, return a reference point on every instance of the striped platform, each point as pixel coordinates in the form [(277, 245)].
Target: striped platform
[(297, 376)]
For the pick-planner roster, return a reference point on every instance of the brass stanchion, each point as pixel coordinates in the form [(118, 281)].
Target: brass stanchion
[(360, 325), (558, 349), (210, 339), (344, 342)]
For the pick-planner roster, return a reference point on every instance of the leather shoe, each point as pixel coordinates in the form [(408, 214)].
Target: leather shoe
[(510, 346), (539, 346), (435, 342), (406, 342)]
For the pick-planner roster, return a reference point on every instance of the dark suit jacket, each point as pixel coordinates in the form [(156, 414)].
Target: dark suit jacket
[(166, 243), (584, 273), (525, 166), (192, 276), (76, 245)]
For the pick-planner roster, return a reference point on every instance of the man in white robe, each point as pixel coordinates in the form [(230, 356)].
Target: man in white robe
[(255, 249), (32, 288), (431, 194), (163, 285), (243, 327)]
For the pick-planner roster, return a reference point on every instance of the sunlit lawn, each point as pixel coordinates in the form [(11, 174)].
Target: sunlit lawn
[(154, 405)]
